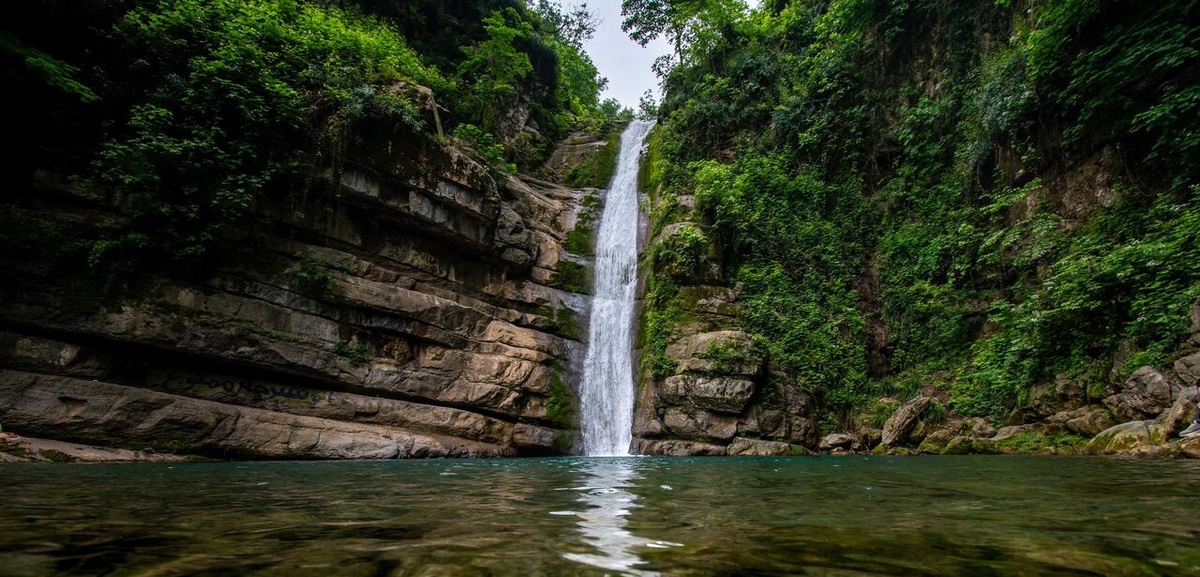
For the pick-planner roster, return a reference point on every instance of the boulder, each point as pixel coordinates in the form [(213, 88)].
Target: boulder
[(869, 436), (937, 441), (1188, 370), (1189, 448), (1063, 395), (837, 441), (801, 431), (1125, 438), (1014, 430), (1088, 421), (902, 422), (716, 394), (1181, 414), (967, 445), (1144, 395)]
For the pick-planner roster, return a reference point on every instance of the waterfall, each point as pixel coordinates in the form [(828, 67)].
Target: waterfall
[(606, 394)]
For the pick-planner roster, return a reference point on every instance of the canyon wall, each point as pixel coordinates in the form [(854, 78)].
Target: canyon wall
[(409, 303)]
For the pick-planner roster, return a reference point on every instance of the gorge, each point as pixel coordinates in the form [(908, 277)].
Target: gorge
[(293, 230), (386, 288)]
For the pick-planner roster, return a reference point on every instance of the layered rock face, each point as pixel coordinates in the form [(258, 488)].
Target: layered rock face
[(403, 307)]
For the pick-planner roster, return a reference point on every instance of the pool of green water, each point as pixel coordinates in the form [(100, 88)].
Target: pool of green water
[(628, 516)]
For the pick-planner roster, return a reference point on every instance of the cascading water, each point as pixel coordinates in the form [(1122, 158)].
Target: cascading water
[(606, 395)]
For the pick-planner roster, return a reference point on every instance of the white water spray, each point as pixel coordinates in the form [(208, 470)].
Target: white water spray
[(606, 395)]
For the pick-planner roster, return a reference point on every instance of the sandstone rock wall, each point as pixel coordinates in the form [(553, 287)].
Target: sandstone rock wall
[(403, 306)]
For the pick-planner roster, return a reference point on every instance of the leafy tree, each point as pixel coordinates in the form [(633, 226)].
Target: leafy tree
[(573, 27), (682, 22), (647, 106), (495, 67)]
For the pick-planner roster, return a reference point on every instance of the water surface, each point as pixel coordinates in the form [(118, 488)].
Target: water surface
[(599, 516)]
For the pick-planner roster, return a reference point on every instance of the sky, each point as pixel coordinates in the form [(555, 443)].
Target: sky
[(619, 59)]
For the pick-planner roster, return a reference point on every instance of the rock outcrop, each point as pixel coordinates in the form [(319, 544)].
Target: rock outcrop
[(412, 305), (721, 396)]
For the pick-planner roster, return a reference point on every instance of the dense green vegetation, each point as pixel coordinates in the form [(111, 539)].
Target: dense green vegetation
[(977, 195), (189, 111)]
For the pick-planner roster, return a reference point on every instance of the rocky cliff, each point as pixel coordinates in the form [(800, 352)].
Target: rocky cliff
[(407, 304), (889, 225)]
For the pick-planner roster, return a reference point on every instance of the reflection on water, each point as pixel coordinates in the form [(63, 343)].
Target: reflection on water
[(591, 517), (603, 488)]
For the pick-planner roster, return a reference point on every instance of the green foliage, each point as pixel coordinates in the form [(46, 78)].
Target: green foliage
[(579, 240), (880, 412), (903, 181), (234, 98), (725, 355), (596, 171), (485, 145), (612, 109), (1119, 75), (659, 318), (312, 277), (355, 352), (52, 71), (681, 254), (1038, 442), (571, 277), (560, 407), (197, 110), (495, 67)]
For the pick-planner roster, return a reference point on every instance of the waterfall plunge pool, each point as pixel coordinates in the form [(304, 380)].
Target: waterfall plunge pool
[(606, 516)]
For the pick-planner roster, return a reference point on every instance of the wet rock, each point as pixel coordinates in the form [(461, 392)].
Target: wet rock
[(676, 448), (902, 422), (1144, 395), (756, 447)]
